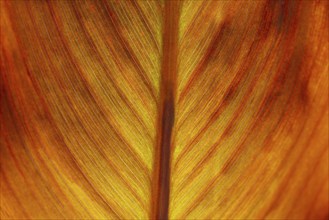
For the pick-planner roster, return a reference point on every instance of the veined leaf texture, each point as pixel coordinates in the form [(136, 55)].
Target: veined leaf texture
[(164, 109)]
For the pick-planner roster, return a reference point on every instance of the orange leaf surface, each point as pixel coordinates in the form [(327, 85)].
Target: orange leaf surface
[(164, 109)]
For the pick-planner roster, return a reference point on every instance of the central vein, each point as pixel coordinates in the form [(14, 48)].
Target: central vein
[(166, 111)]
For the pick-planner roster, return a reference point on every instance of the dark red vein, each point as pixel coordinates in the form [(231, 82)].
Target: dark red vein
[(200, 68), (161, 184), (147, 24), (129, 51)]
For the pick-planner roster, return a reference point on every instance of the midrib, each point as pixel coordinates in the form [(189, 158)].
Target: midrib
[(161, 178)]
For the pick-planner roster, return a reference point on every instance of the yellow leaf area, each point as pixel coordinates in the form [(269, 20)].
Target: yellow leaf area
[(84, 109)]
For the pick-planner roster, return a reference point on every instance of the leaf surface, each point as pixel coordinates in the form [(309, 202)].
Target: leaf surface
[(164, 109)]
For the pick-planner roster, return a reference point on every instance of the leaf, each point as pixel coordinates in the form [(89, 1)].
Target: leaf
[(164, 109)]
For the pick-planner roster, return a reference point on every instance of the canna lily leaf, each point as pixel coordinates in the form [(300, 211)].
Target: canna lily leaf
[(164, 109)]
